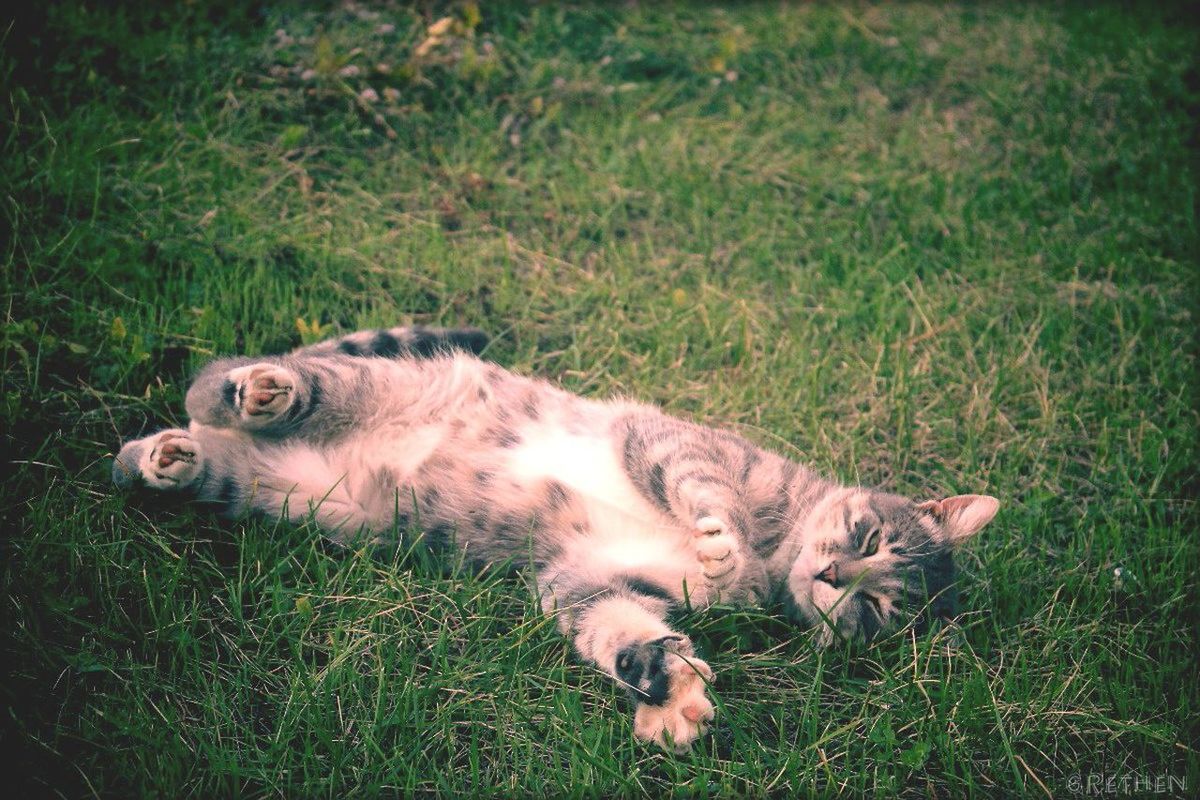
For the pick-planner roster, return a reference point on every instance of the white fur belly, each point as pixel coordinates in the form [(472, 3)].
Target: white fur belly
[(359, 474), (626, 531), (305, 470), (402, 452)]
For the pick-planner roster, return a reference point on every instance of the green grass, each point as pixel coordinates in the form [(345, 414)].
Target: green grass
[(941, 249)]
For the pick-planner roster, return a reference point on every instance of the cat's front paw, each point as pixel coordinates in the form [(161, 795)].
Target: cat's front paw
[(668, 684), (170, 461), (260, 393), (720, 553)]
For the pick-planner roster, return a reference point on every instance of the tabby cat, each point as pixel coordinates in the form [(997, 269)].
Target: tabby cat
[(621, 511)]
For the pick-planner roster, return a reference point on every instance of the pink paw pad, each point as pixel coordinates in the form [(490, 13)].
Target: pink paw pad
[(169, 453)]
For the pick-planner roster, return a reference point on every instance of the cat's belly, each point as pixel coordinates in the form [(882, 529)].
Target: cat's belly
[(624, 530)]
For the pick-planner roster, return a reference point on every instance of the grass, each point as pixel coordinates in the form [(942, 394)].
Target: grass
[(938, 248)]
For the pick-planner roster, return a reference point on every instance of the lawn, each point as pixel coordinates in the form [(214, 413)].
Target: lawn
[(940, 249)]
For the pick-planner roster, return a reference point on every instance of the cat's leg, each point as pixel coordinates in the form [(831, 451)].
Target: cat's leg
[(234, 473), (688, 472), (415, 341), (722, 561), (318, 388), (276, 396), (251, 394), (202, 464), (624, 633)]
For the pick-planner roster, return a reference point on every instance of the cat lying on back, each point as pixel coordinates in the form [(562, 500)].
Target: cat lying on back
[(621, 511)]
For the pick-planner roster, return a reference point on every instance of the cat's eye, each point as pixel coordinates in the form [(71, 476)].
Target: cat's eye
[(871, 546)]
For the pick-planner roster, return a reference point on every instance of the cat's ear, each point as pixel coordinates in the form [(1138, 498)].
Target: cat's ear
[(963, 515)]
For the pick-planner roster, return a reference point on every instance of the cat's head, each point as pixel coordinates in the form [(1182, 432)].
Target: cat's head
[(872, 562)]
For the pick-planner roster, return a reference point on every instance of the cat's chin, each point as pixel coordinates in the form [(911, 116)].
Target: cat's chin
[(824, 596), (802, 587), (820, 603)]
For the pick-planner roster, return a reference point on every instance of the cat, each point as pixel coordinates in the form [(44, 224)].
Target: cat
[(621, 511)]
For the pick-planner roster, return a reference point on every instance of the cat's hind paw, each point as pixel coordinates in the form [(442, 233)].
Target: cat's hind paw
[(260, 393), (668, 682), (169, 460)]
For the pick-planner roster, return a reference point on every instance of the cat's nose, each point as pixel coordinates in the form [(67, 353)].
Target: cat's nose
[(829, 574)]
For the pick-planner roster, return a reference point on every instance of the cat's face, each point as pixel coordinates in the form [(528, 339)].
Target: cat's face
[(872, 562)]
